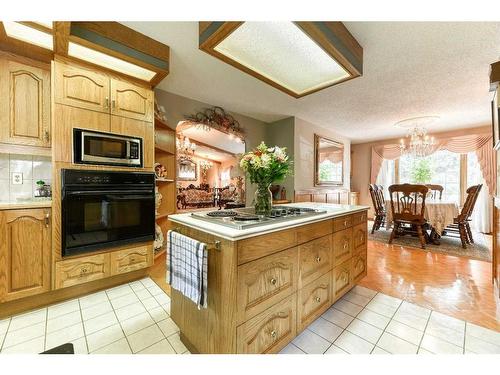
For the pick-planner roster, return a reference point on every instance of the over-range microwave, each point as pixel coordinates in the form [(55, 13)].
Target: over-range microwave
[(91, 147)]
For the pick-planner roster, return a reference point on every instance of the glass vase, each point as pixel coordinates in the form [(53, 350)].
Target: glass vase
[(263, 200)]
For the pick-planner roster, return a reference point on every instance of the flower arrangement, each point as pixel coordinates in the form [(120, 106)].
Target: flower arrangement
[(265, 165)]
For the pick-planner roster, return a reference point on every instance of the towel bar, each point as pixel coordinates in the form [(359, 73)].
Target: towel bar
[(216, 244)]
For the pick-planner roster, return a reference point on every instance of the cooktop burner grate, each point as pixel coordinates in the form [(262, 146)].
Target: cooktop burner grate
[(222, 213)]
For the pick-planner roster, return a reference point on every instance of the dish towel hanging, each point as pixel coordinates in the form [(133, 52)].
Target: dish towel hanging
[(187, 267)]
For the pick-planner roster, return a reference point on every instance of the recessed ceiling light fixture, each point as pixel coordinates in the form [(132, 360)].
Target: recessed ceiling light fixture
[(28, 34), (298, 58)]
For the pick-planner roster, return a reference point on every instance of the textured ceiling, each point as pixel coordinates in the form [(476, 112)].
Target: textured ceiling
[(410, 69)]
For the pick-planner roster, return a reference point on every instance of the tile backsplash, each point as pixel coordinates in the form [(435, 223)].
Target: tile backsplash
[(33, 168)]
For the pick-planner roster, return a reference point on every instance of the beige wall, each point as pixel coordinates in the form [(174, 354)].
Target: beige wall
[(304, 153), (361, 161)]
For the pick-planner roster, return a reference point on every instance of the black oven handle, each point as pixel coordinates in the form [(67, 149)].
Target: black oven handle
[(107, 192)]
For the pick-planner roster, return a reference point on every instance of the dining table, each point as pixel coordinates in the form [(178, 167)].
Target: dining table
[(438, 213)]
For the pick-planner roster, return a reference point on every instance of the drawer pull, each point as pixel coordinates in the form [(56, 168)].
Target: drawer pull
[(317, 299), (318, 259), (273, 281), (273, 334), (345, 223), (362, 217), (346, 244)]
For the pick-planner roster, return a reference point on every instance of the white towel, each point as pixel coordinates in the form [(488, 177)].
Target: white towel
[(187, 267)]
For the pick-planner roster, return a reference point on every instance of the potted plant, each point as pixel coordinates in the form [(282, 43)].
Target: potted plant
[(265, 165)]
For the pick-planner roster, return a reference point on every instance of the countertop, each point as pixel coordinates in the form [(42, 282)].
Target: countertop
[(35, 203), (333, 210)]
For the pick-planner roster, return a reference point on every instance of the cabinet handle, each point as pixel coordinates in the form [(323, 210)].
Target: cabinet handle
[(106, 103), (46, 135), (346, 244), (273, 281), (345, 223), (318, 259), (273, 334), (47, 222), (113, 104), (317, 299)]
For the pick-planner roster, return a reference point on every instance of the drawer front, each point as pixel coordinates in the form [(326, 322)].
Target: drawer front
[(342, 246), (358, 266), (314, 299), (258, 247), (359, 236), (315, 258), (131, 259), (265, 281), (342, 223), (270, 331), (359, 218), (342, 280), (81, 270), (312, 231)]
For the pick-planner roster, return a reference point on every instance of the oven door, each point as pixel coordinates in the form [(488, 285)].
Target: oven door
[(103, 218)]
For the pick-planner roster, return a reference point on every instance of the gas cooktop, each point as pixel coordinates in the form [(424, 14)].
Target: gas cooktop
[(243, 218)]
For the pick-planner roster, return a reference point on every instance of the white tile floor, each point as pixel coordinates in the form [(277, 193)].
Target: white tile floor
[(134, 318), (131, 318), (367, 322)]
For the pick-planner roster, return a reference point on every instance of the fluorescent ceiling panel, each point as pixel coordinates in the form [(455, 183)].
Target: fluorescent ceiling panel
[(283, 53), (110, 62), (28, 34)]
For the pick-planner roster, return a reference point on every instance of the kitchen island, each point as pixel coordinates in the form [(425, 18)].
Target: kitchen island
[(268, 282)]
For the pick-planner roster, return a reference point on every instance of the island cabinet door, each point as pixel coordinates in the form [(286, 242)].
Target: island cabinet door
[(265, 281), (342, 279), (25, 249), (342, 246), (315, 259), (313, 300), (269, 331), (358, 266), (359, 236)]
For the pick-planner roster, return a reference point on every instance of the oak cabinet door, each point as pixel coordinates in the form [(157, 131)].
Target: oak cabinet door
[(359, 236), (342, 246), (132, 101), (25, 251), (25, 104), (315, 259), (358, 266), (313, 299), (82, 270), (129, 260), (81, 88), (342, 279)]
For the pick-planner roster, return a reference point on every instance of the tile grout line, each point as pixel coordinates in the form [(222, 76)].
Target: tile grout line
[(387, 325), (46, 325), (425, 329), (5, 336), (83, 326), (119, 323)]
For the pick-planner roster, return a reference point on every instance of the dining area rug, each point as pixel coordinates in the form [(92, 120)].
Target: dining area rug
[(480, 249)]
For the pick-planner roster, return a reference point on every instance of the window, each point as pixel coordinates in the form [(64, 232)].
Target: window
[(330, 171), (225, 177), (441, 168)]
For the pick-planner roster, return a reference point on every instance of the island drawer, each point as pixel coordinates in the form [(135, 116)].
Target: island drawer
[(263, 282), (341, 223), (312, 231), (358, 266), (359, 236), (342, 246), (313, 299), (342, 279), (131, 259), (258, 247), (81, 270), (315, 258), (270, 331), (359, 218)]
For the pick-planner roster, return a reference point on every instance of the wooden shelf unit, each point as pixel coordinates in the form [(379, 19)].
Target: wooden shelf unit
[(165, 155)]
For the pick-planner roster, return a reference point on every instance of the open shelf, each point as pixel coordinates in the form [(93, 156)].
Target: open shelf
[(159, 148), (161, 124), (165, 180), (160, 252), (161, 216)]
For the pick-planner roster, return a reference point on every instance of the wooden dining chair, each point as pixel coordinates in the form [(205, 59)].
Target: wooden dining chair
[(461, 224), (435, 190), (408, 208), (377, 195)]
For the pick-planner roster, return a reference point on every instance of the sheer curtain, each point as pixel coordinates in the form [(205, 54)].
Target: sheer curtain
[(481, 216), (386, 176)]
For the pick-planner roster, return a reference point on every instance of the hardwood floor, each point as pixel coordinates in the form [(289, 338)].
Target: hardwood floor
[(456, 286)]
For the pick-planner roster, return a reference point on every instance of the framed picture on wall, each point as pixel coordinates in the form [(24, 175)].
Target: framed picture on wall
[(495, 114)]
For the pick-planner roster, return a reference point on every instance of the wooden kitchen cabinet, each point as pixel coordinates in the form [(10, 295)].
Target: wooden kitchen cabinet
[(131, 101), (133, 259), (25, 251), (24, 104), (82, 88), (82, 270)]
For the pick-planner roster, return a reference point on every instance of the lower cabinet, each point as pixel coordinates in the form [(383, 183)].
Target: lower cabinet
[(358, 266), (131, 259), (313, 300), (82, 270), (25, 253), (269, 331), (342, 279)]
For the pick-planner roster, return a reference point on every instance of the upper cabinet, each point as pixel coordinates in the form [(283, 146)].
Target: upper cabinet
[(128, 100), (24, 104), (82, 88)]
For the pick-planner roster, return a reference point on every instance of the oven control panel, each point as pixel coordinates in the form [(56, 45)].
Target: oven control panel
[(85, 177)]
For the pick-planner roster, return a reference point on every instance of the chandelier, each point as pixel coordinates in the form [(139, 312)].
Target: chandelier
[(185, 146), (418, 143)]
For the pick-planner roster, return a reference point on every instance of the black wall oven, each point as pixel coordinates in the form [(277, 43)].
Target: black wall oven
[(105, 209)]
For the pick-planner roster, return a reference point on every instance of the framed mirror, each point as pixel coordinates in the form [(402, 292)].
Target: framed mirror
[(328, 162), (187, 170)]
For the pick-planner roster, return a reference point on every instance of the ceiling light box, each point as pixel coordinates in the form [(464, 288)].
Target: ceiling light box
[(298, 58)]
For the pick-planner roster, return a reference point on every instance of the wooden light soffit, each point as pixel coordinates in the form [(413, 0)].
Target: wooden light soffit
[(494, 75), (332, 37)]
